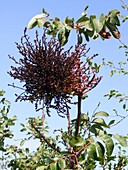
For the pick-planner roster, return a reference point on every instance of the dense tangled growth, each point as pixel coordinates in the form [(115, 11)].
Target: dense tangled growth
[(50, 74)]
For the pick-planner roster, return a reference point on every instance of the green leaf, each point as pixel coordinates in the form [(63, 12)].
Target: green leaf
[(91, 149), (111, 122), (118, 95), (125, 19), (113, 17), (124, 106), (90, 33), (113, 29), (34, 21), (58, 24), (22, 143), (80, 39), (40, 23), (101, 149), (45, 12), (2, 92), (86, 24), (101, 113), (98, 24), (100, 121), (84, 13), (22, 124), (85, 9), (121, 139), (87, 39), (23, 129), (61, 163), (69, 21), (108, 142), (84, 117), (1, 144), (65, 152), (63, 36), (53, 166), (77, 141), (41, 168), (96, 129), (82, 20)]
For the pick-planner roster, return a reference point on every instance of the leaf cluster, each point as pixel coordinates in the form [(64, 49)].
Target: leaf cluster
[(88, 27)]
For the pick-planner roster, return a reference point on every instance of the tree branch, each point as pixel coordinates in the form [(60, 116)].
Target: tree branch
[(68, 118), (44, 139), (78, 115)]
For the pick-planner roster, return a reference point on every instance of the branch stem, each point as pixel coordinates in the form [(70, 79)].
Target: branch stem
[(78, 115)]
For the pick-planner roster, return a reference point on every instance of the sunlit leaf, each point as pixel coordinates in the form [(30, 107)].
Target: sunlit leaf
[(77, 141), (82, 20), (101, 113), (34, 21), (121, 139), (69, 21), (98, 23), (40, 22), (113, 17), (61, 163), (84, 117), (108, 142), (100, 121), (126, 18), (53, 166), (96, 129), (58, 24), (41, 168), (92, 151)]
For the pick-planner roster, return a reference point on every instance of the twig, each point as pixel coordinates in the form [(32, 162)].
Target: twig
[(124, 4), (123, 117), (44, 139), (95, 109), (43, 118), (124, 45), (16, 86), (78, 153)]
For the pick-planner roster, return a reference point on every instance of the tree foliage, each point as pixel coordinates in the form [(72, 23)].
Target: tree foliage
[(88, 27), (93, 144)]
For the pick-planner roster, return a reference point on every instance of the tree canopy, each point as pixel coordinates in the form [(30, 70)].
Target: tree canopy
[(55, 78)]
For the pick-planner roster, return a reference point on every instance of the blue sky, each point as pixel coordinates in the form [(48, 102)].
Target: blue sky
[(14, 17)]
